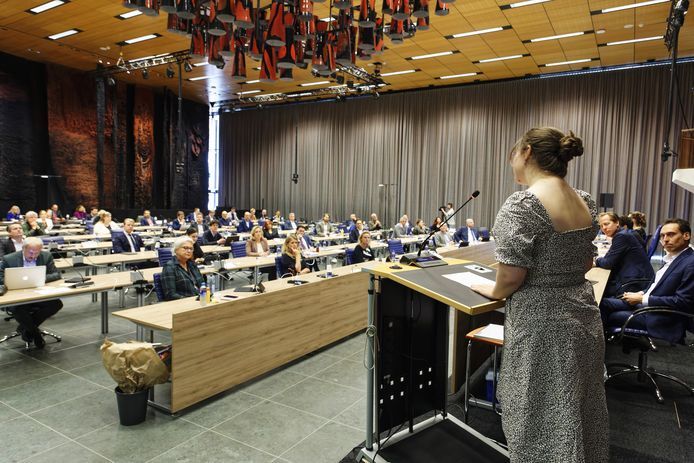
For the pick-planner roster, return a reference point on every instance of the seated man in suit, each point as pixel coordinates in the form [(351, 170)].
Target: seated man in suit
[(356, 231), (93, 216), (324, 227), (468, 233), (14, 242), (32, 226), (147, 218), (212, 235), (672, 287), (199, 224), (224, 220), (246, 225), (233, 216), (306, 245), (626, 258), (127, 241), (351, 222), (30, 316), (400, 228), (441, 237), (210, 217), (291, 223), (191, 216), (57, 215), (179, 223)]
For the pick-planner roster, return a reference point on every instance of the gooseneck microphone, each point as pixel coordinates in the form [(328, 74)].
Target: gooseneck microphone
[(423, 244)]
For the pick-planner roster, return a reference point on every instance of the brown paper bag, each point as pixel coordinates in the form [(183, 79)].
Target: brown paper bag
[(133, 365)]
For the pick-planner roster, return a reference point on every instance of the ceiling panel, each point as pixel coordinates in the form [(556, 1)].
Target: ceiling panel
[(23, 34)]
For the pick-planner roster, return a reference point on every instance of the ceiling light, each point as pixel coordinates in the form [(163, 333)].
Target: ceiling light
[(481, 31), (432, 55), (627, 7), (395, 73), (170, 72), (501, 58), (204, 63), (193, 79), (248, 92), (63, 34), (520, 4), (145, 74), (560, 36), (298, 95), (320, 82), (139, 39), (457, 76), (252, 81), (646, 39), (576, 61), (187, 67), (270, 94), (47, 6), (129, 14)]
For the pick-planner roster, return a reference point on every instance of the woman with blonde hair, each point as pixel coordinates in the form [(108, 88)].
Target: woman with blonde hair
[(292, 262)]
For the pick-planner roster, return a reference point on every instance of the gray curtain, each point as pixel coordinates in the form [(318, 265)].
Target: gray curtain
[(433, 146)]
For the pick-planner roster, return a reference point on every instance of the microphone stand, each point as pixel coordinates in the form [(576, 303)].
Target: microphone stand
[(423, 244)]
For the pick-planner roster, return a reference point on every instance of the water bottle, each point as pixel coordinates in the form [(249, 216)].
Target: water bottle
[(278, 252), (329, 270), (392, 256), (203, 294), (211, 285), (157, 244)]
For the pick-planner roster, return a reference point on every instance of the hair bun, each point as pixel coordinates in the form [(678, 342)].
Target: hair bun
[(570, 146)]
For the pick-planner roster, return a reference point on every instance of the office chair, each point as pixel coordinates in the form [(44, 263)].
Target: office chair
[(278, 267), (164, 255), (483, 233), (655, 241), (348, 256), (238, 249), (634, 330), (157, 287), (395, 247), (16, 333)]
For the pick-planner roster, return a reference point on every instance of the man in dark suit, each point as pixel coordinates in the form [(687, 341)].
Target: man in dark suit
[(356, 231), (14, 242), (246, 225), (672, 287), (467, 233), (305, 245), (127, 241), (291, 223), (199, 224), (30, 316), (210, 217), (212, 235), (146, 219)]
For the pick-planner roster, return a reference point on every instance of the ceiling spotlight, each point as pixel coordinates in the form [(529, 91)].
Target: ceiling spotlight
[(111, 81), (170, 72), (187, 67), (145, 74)]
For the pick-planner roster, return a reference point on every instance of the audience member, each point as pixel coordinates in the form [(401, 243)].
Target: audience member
[(419, 228), (210, 217), (671, 287), (15, 240), (31, 316), (291, 261), (400, 228), (351, 222), (626, 257), (212, 235), (146, 219), (104, 226), (258, 246), (94, 215), (45, 220), (441, 238), (269, 233), (374, 223), (362, 251), (324, 227), (252, 212), (224, 220), (14, 213), (306, 246), (233, 216), (246, 225), (199, 224), (57, 215), (437, 221), (180, 276), (127, 241), (80, 213), (277, 218), (198, 253), (291, 223), (179, 223), (356, 231), (32, 226), (468, 234), (639, 220), (448, 212)]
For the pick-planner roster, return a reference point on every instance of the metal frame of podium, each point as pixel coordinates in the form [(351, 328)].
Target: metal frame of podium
[(416, 370)]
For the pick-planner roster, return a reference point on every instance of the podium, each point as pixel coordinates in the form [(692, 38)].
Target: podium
[(407, 363)]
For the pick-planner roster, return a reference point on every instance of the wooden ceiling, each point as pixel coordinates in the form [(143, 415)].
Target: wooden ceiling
[(24, 34)]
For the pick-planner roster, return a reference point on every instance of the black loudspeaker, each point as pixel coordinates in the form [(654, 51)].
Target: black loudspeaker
[(607, 200)]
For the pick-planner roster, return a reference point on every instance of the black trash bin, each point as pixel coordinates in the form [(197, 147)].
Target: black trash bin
[(132, 408)]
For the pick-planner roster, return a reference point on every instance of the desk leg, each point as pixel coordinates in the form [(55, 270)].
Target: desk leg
[(370, 361), (466, 397), (104, 312), (86, 273)]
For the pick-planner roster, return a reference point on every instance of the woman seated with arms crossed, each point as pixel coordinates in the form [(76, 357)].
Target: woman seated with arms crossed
[(257, 246), (269, 233), (626, 258), (292, 263), (419, 228), (362, 251), (180, 276)]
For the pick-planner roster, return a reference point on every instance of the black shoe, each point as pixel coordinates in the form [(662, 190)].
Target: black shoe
[(39, 342)]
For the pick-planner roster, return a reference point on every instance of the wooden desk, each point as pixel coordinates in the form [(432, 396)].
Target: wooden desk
[(225, 344)]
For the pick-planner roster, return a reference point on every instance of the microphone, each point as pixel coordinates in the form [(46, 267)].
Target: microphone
[(79, 282)]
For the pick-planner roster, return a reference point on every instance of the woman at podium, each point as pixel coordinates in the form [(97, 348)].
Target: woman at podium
[(551, 384)]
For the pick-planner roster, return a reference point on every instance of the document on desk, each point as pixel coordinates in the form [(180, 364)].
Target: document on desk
[(45, 290), (468, 279)]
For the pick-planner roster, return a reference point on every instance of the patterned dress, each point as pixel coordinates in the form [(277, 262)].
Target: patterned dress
[(551, 382)]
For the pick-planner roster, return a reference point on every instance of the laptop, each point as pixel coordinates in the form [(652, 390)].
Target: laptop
[(230, 239), (25, 277)]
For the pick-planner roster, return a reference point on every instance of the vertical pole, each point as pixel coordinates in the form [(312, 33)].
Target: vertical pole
[(370, 362)]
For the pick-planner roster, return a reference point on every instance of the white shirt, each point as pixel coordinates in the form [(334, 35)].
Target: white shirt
[(668, 259), (101, 230), (18, 245), (470, 235), (201, 229), (131, 241)]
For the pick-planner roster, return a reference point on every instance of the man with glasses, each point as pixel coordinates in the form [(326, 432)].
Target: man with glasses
[(30, 316)]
